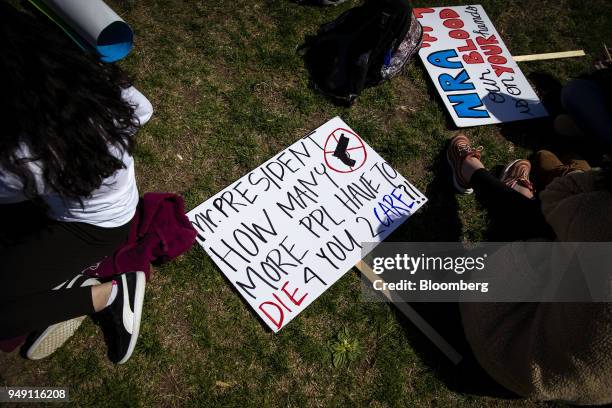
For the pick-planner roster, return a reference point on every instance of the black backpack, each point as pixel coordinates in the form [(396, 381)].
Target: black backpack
[(348, 54)]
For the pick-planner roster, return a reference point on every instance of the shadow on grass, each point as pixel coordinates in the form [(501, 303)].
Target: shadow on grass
[(441, 210)]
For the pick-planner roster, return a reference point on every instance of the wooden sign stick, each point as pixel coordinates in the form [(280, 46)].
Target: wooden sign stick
[(549, 56), (416, 319)]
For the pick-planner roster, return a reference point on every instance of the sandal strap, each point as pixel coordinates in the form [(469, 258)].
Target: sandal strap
[(524, 182), (465, 152)]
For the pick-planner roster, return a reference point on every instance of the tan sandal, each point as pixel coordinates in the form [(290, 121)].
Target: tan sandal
[(458, 151), (517, 173)]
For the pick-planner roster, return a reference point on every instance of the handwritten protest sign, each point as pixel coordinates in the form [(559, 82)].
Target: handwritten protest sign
[(472, 69), (286, 231)]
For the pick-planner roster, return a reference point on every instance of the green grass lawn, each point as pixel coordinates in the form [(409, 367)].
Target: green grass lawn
[(230, 90)]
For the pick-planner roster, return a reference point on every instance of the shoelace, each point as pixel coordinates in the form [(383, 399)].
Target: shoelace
[(464, 149), (524, 182)]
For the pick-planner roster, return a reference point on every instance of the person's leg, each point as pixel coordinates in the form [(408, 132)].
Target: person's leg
[(514, 212), (514, 216), (547, 166), (465, 161), (43, 260), (586, 103), (493, 193), (34, 312)]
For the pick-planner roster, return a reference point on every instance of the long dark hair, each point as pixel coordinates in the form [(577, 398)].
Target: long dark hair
[(62, 104)]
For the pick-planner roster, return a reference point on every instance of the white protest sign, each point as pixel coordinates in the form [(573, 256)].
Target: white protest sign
[(472, 69), (286, 231)]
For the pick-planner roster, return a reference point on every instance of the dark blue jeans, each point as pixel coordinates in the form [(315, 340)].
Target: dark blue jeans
[(586, 102)]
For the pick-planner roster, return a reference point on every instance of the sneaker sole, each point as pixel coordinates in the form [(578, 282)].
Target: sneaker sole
[(462, 190), (138, 302), (53, 338)]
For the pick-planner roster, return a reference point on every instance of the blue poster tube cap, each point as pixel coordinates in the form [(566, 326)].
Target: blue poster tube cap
[(115, 41)]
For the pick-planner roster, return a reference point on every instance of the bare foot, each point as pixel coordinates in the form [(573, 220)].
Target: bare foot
[(100, 295), (523, 190), (469, 167)]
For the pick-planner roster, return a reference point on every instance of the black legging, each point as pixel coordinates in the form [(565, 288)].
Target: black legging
[(514, 217), (37, 255)]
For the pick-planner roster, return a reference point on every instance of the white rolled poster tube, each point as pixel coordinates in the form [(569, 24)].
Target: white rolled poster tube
[(97, 24)]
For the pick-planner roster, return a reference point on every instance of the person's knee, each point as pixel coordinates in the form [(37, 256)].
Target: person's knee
[(578, 93)]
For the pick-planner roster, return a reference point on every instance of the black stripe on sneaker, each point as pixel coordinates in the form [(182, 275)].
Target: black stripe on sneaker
[(131, 290)]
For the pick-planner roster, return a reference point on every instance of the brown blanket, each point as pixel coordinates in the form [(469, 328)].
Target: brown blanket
[(553, 351)]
